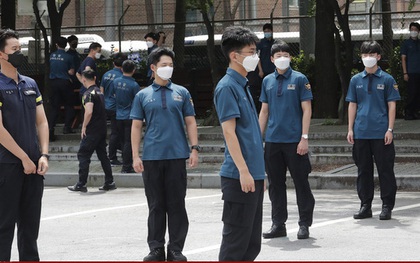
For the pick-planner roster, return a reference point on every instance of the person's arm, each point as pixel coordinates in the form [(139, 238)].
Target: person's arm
[(263, 117), (10, 144), (260, 69), (87, 117), (352, 117), (136, 132), (232, 142), (302, 148), (392, 109), (191, 126), (404, 66), (43, 137)]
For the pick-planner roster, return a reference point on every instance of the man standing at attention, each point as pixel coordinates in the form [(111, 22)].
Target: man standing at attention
[(372, 97), (410, 62), (166, 108), (23, 153), (93, 135), (285, 116), (242, 172)]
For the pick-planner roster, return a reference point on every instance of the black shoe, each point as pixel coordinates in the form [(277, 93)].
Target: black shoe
[(386, 213), (107, 187), (303, 232), (175, 256), (77, 188), (127, 171), (364, 212), (156, 254), (115, 162), (276, 231), (68, 130)]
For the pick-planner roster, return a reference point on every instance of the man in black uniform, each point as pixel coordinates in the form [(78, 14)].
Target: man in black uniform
[(23, 137), (93, 134)]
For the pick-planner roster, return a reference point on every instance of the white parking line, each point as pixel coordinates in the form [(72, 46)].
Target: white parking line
[(115, 208)]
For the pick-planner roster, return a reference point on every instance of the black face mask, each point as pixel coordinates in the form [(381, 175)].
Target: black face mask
[(16, 59)]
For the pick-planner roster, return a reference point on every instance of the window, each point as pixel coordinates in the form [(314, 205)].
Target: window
[(293, 3)]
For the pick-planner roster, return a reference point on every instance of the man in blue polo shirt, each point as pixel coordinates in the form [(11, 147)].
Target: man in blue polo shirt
[(110, 106), (242, 172), (372, 97), (61, 68), (23, 153), (285, 117), (166, 108), (410, 62), (125, 89)]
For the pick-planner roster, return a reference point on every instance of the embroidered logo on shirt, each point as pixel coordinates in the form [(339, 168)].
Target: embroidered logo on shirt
[(177, 97), (396, 86), (308, 86), (291, 86), (191, 101), (380, 86)]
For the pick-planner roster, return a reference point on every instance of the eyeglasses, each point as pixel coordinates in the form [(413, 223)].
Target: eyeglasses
[(252, 53)]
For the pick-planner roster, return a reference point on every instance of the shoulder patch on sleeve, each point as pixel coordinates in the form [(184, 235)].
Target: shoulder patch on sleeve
[(396, 86), (308, 86)]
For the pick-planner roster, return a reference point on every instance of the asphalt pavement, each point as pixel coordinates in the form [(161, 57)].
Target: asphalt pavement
[(112, 226)]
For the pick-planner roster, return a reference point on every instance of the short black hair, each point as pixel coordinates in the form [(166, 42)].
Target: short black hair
[(119, 58), (71, 38), (94, 45), (156, 54), (280, 46), (414, 24), (62, 42), (152, 35), (89, 74), (268, 26), (6, 34), (128, 66), (235, 38), (369, 47)]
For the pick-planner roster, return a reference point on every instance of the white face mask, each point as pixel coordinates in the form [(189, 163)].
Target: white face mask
[(149, 44), (250, 62), (414, 34), (369, 62), (98, 55), (165, 73), (282, 63)]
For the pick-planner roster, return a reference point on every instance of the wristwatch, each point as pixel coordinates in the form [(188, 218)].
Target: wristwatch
[(305, 136), (390, 130), (196, 147), (46, 156)]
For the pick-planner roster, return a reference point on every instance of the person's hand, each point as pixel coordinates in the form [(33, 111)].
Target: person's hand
[(138, 165), (302, 147), (247, 182), (42, 165), (388, 137), (29, 166), (83, 133), (405, 77), (193, 161), (350, 137)]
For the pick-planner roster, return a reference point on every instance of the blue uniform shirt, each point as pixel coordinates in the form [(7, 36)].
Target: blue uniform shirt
[(372, 109), (18, 104), (285, 111), (164, 138), (411, 48), (125, 88), (264, 46), (60, 63), (232, 101), (106, 83)]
